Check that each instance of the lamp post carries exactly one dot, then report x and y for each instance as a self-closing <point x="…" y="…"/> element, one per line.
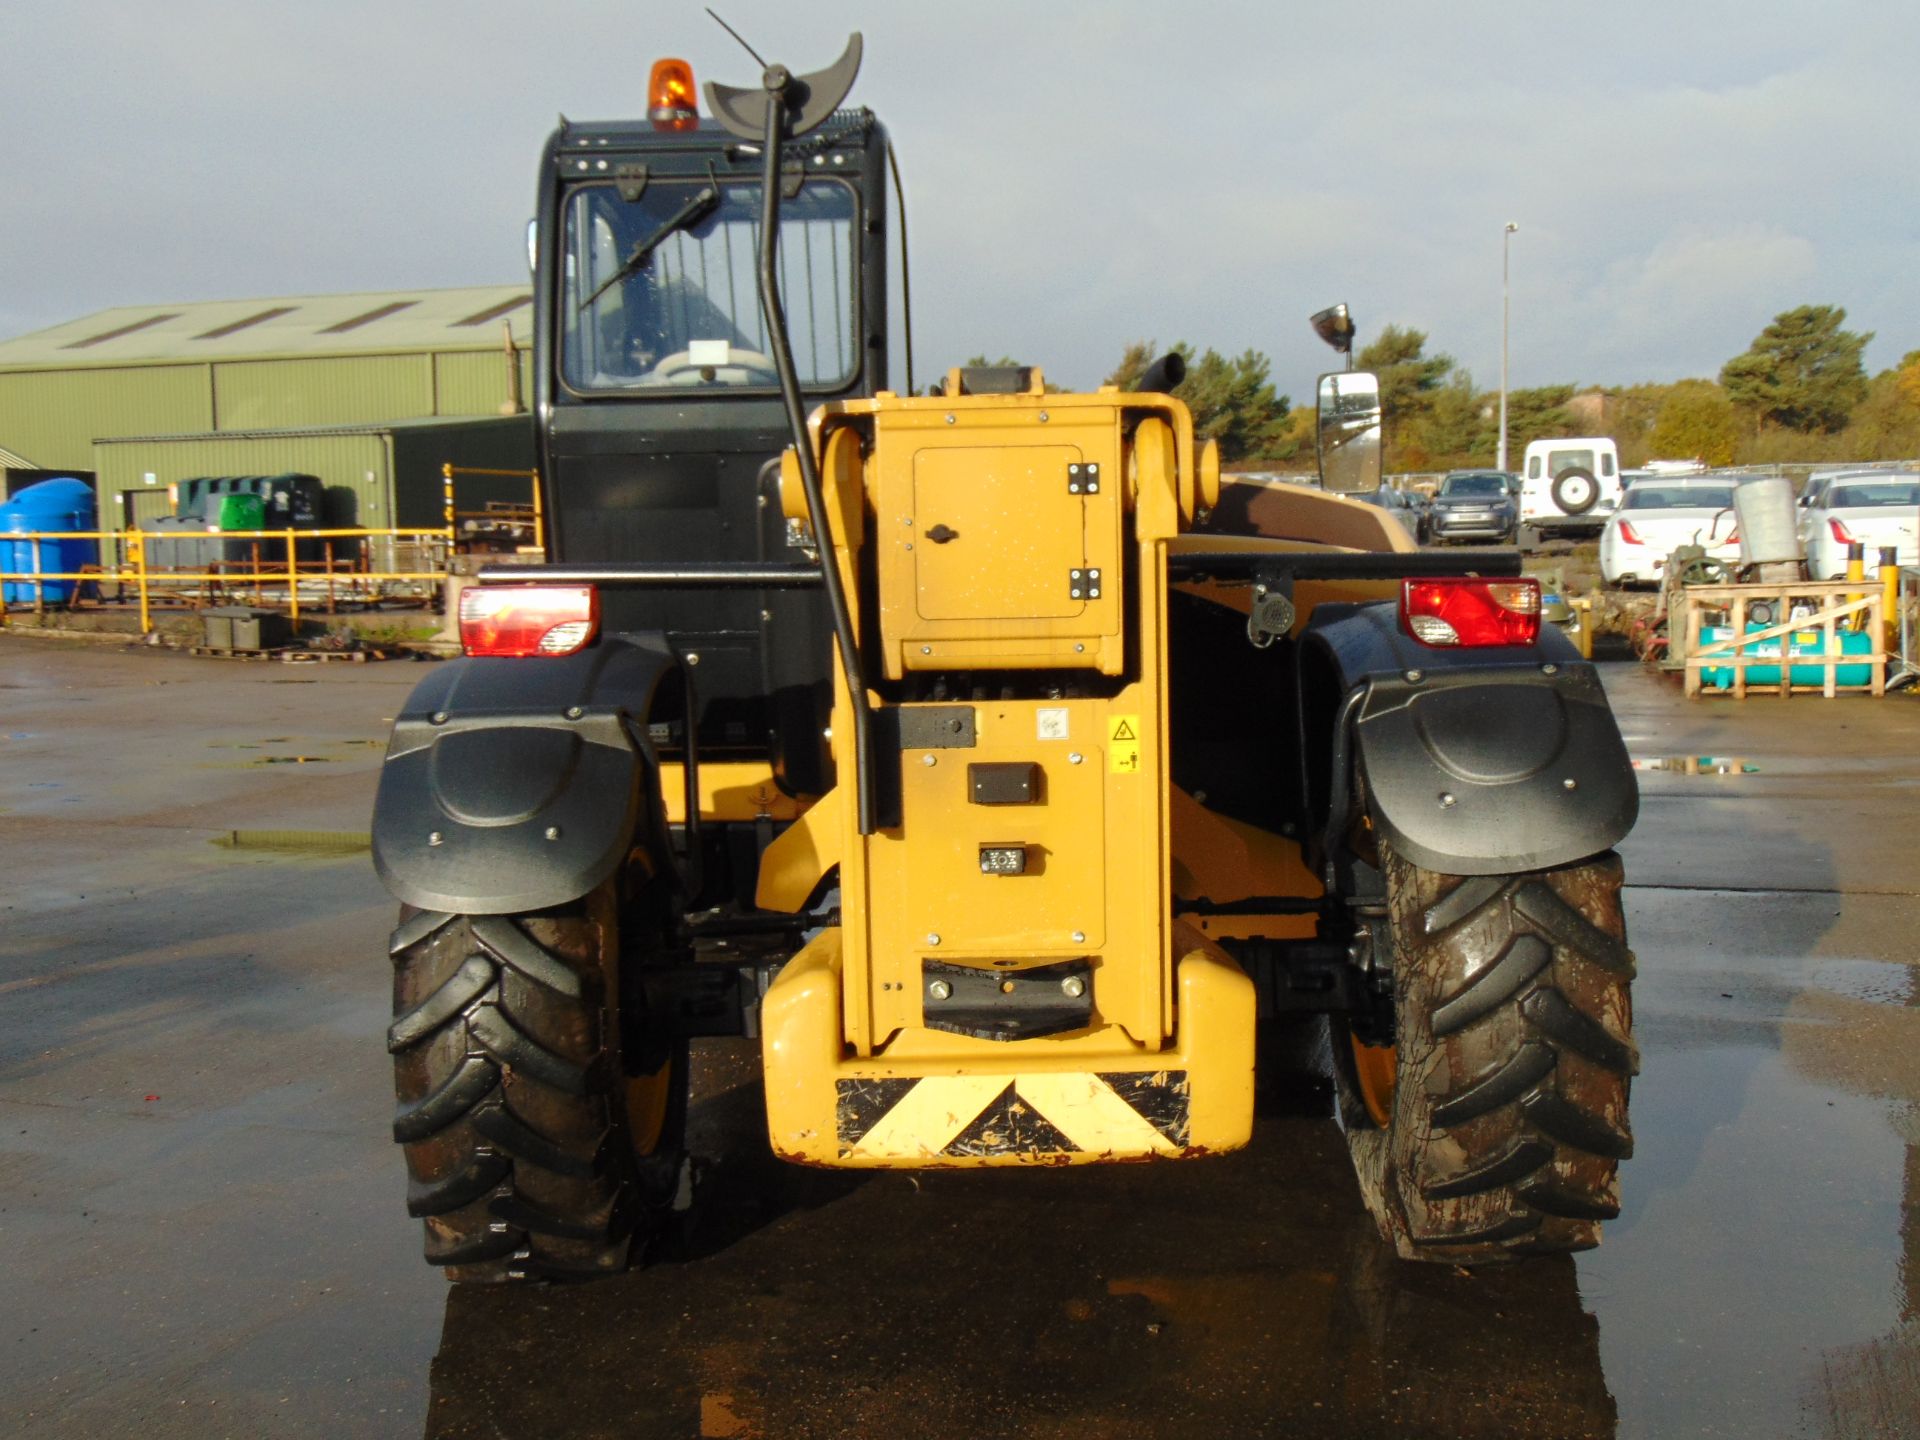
<point x="1506" y="310"/>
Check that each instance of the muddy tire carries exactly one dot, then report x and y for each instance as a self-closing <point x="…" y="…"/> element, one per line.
<point x="1502" y="1119"/>
<point x="538" y="1145"/>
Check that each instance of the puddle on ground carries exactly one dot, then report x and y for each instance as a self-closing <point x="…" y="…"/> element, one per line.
<point x="261" y="760"/>
<point x="295" y="842"/>
<point x="1879" y="982"/>
<point x="1696" y="764"/>
<point x="289" y="740"/>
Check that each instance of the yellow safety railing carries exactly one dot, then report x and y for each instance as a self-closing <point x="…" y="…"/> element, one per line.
<point x="134" y="567"/>
<point x="449" y="472"/>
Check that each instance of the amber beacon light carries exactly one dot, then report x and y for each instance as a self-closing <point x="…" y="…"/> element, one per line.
<point x="670" y="96"/>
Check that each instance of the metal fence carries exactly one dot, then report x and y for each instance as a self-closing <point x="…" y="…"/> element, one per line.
<point x="354" y="567"/>
<point x="1905" y="625"/>
<point x="315" y="569"/>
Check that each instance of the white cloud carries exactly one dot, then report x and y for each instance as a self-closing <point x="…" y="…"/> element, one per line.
<point x="1079" y="176"/>
<point x="1691" y="301"/>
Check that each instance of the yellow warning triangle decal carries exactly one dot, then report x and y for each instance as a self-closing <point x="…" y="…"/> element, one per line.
<point x="1124" y="731"/>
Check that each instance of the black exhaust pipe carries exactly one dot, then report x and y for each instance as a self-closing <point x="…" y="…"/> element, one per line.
<point x="1165" y="373"/>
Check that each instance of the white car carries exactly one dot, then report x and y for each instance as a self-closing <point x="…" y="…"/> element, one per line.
<point x="1880" y="510"/>
<point x="1815" y="492"/>
<point x="1656" y="516"/>
<point x="1570" y="486"/>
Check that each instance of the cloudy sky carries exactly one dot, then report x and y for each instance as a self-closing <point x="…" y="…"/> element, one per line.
<point x="1078" y="175"/>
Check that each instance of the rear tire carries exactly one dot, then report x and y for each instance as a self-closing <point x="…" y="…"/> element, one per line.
<point x="1575" y="491"/>
<point x="533" y="1149"/>
<point x="1506" y="1102"/>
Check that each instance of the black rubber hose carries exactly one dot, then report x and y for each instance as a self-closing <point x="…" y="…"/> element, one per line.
<point x="809" y="472"/>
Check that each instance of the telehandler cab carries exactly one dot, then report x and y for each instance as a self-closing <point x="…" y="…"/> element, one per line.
<point x="985" y="753"/>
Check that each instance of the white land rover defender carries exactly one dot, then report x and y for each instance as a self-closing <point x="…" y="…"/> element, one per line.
<point x="1569" y="487"/>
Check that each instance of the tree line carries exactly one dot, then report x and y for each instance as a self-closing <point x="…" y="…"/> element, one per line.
<point x="1800" y="392"/>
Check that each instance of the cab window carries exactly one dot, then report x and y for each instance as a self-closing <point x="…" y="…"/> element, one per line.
<point x="688" y="316"/>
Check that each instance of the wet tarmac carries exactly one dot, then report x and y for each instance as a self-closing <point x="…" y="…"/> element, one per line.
<point x="200" y="1212"/>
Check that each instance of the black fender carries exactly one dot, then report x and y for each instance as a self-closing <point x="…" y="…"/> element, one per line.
<point x="515" y="784"/>
<point x="1480" y="761"/>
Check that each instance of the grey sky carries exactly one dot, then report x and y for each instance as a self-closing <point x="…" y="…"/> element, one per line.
<point x="1077" y="175"/>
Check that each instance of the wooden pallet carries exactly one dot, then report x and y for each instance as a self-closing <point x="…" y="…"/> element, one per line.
<point x="1835" y="602"/>
<point x="314" y="657"/>
<point x="291" y="655"/>
<point x="208" y="652"/>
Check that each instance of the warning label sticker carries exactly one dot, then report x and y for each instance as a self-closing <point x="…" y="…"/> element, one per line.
<point x="1051" y="723"/>
<point x="1123" y="744"/>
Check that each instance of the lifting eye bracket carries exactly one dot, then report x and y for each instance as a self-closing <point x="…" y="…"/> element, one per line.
<point x="630" y="181"/>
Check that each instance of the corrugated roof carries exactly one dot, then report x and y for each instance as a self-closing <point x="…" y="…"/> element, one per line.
<point x="307" y="432"/>
<point x="468" y="318"/>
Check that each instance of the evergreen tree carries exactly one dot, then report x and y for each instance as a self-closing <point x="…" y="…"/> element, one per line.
<point x="1537" y="414"/>
<point x="1408" y="379"/>
<point x="1802" y="372"/>
<point x="1232" y="399"/>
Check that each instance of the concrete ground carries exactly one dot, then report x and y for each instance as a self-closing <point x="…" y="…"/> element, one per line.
<point x="201" y="1212"/>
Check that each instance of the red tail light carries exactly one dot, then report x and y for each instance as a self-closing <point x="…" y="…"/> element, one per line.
<point x="528" y="619"/>
<point x="670" y="103"/>
<point x="1468" y="611"/>
<point x="1627" y="534"/>
<point x="1840" y="531"/>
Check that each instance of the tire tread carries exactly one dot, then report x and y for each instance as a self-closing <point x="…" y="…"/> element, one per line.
<point x="1513" y="1027"/>
<point x="490" y="1008"/>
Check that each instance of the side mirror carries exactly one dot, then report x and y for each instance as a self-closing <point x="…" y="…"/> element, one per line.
<point x="1347" y="435"/>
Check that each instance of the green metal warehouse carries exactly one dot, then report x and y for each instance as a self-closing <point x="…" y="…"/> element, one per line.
<point x="369" y="392"/>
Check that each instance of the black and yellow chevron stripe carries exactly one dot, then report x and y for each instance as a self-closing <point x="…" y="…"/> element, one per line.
<point x="977" y="1117"/>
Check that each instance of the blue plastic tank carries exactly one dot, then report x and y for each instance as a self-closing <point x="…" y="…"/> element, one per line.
<point x="7" y="547"/>
<point x="58" y="505"/>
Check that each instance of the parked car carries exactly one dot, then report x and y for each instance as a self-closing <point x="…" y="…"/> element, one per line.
<point x="1814" y="494"/>
<point x="1657" y="516"/>
<point x="1571" y="485"/>
<point x="1406" y="506"/>
<point x="1474" y="505"/>
<point x="1879" y="509"/>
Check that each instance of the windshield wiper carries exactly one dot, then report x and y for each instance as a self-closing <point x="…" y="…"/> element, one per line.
<point x="695" y="209"/>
